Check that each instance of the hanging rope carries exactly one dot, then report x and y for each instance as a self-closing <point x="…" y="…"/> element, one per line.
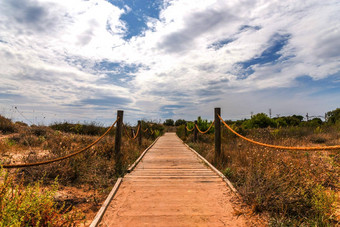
<point x="127" y="134"/>
<point x="276" y="146"/>
<point x="61" y="158"/>
<point x="189" y="130"/>
<point x="205" y="130"/>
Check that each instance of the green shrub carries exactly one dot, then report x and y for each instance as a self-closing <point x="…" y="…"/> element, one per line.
<point x="259" y="120"/>
<point x="333" y="116"/>
<point x="180" y="122"/>
<point x="180" y="131"/>
<point x="30" y="205"/>
<point x="169" y="122"/>
<point x="203" y="125"/>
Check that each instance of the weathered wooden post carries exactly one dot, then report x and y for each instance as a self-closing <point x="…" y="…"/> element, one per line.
<point x="195" y="132"/>
<point x="140" y="133"/>
<point x="118" y="142"/>
<point x="217" y="134"/>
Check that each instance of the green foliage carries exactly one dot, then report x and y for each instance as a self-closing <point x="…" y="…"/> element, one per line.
<point x="180" y="131"/>
<point x="180" y="122"/>
<point x="203" y="125"/>
<point x="169" y="122"/>
<point x="321" y="202"/>
<point x="154" y="129"/>
<point x="333" y="116"/>
<point x="259" y="120"/>
<point x="227" y="172"/>
<point x="287" y="121"/>
<point x="6" y="125"/>
<point x="10" y="142"/>
<point x="30" y="205"/>
<point x="157" y="133"/>
<point x="315" y="122"/>
<point x="190" y="125"/>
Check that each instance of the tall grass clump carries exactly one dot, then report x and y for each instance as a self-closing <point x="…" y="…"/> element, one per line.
<point x="31" y="205"/>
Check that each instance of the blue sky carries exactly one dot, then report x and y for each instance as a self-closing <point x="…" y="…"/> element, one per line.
<point x="83" y="60"/>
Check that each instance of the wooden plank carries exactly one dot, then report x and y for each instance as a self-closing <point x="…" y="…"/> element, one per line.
<point x="103" y="208"/>
<point x="230" y="185"/>
<point x="172" y="186"/>
<point x="141" y="156"/>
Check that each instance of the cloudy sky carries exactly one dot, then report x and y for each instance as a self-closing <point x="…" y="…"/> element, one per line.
<point x="83" y="60"/>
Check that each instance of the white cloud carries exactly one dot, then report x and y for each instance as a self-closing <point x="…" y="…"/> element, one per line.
<point x="51" y="50"/>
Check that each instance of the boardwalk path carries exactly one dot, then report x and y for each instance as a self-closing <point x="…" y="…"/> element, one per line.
<point x="171" y="186"/>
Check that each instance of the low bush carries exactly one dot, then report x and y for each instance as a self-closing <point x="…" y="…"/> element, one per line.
<point x="6" y="125"/>
<point x="31" y="205"/>
<point x="92" y="128"/>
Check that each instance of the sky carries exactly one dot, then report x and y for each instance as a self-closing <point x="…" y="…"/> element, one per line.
<point x="82" y="61"/>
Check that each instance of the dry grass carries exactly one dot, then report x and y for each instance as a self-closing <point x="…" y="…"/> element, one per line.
<point x="92" y="172"/>
<point x="297" y="188"/>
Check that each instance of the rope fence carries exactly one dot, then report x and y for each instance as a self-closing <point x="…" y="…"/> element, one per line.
<point x="216" y="122"/>
<point x="335" y="147"/>
<point x="189" y="130"/>
<point x="218" y="146"/>
<point x="60" y="158"/>
<point x="127" y="134"/>
<point x="203" y="132"/>
<point x="120" y="125"/>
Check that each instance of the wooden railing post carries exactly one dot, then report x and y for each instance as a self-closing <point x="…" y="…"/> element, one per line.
<point x="140" y="133"/>
<point x="195" y="132"/>
<point x="217" y="134"/>
<point x="118" y="142"/>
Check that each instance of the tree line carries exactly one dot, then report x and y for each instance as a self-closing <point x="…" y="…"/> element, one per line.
<point x="261" y="120"/>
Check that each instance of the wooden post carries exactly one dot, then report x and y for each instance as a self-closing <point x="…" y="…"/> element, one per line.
<point x="195" y="132"/>
<point x="217" y="134"/>
<point x="118" y="142"/>
<point x="140" y="133"/>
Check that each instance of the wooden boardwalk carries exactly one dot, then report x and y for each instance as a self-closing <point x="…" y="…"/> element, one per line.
<point x="172" y="186"/>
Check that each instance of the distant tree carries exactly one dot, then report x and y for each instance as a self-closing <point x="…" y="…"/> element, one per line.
<point x="169" y="122"/>
<point x="260" y="120"/>
<point x="333" y="116"/>
<point x="180" y="122"/>
<point x="281" y="122"/>
<point x="315" y="122"/>
<point x="294" y="120"/>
